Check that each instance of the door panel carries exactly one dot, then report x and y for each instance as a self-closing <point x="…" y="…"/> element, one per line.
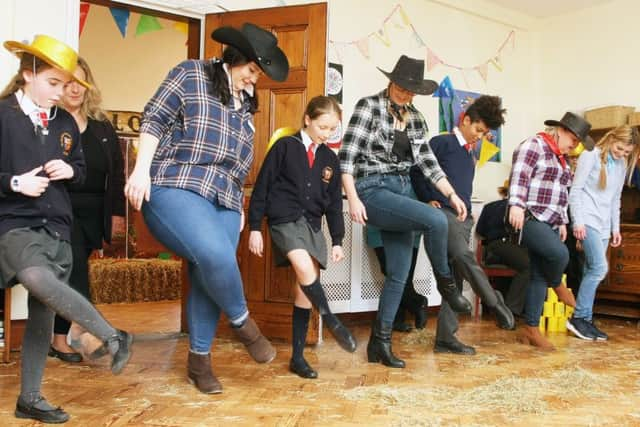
<point x="302" y="33"/>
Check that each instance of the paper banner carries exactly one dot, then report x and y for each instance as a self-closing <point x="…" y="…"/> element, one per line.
<point x="465" y="77"/>
<point x="84" y="11"/>
<point x="432" y="60"/>
<point x="405" y="18"/>
<point x="121" y="16"/>
<point x="382" y="35"/>
<point x="483" y="70"/>
<point x="496" y="63"/>
<point x="363" y="46"/>
<point x="147" y="24"/>
<point x="183" y="27"/>
<point x="487" y="151"/>
<point x="418" y="40"/>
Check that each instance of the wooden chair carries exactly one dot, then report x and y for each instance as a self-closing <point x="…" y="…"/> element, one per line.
<point x="491" y="270"/>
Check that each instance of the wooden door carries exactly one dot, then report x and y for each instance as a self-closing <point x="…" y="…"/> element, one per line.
<point x="302" y="34"/>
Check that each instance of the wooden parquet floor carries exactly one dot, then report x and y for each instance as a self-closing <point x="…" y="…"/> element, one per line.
<point x="506" y="383"/>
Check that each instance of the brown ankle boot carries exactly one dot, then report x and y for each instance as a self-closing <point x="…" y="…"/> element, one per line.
<point x="257" y="345"/>
<point x="531" y="335"/>
<point x="200" y="374"/>
<point x="565" y="295"/>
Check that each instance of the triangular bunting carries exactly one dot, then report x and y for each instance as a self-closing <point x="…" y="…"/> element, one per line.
<point x="84" y="11"/>
<point x="432" y="60"/>
<point x="496" y="62"/>
<point x="147" y="24"/>
<point x="382" y="35"/>
<point x="405" y="18"/>
<point x="483" y="70"/>
<point x="487" y="151"/>
<point x="183" y="27"/>
<point x="363" y="46"/>
<point x="121" y="16"/>
<point x="418" y="40"/>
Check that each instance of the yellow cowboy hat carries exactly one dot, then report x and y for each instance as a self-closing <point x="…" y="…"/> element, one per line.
<point x="280" y="133"/>
<point x="50" y="50"/>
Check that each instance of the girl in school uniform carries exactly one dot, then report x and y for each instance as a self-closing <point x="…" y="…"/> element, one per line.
<point x="40" y="154"/>
<point x="298" y="184"/>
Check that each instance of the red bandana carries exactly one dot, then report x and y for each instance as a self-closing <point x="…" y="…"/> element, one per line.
<point x="554" y="147"/>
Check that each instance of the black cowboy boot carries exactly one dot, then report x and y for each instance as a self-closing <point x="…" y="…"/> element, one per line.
<point x="379" y="347"/>
<point x="343" y="336"/>
<point x="451" y="294"/>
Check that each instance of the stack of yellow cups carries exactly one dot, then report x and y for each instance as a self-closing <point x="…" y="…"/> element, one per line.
<point x="555" y="313"/>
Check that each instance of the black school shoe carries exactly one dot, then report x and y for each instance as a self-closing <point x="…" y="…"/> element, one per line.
<point x="455" y="347"/>
<point x="65" y="357"/>
<point x="301" y="368"/>
<point x="51" y="416"/>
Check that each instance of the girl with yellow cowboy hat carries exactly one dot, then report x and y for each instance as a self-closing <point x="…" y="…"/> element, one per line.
<point x="39" y="155"/>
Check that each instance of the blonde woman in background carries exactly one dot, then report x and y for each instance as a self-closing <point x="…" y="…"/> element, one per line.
<point x="595" y="212"/>
<point x="98" y="203"/>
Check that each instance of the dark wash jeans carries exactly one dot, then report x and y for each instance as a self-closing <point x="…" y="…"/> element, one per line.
<point x="392" y="207"/>
<point x="548" y="258"/>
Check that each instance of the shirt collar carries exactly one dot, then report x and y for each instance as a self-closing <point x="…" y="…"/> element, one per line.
<point x="459" y="137"/>
<point x="307" y="141"/>
<point x="248" y="88"/>
<point x="29" y="108"/>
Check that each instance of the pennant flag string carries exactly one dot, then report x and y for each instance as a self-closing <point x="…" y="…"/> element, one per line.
<point x="433" y="60"/>
<point x="121" y="17"/>
<point x="84" y="11"/>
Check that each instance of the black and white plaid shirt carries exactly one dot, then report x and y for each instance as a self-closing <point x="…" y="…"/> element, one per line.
<point x="205" y="146"/>
<point x="367" y="144"/>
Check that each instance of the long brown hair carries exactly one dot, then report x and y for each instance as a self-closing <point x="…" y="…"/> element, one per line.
<point x="28" y="62"/>
<point x="622" y="134"/>
<point x="92" y="104"/>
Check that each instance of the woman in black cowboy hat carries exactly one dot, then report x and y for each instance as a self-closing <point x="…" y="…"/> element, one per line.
<point x="385" y="137"/>
<point x="196" y="148"/>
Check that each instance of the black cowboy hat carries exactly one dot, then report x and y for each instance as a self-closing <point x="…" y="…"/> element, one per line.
<point x="409" y="75"/>
<point x="576" y="125"/>
<point x="259" y="46"/>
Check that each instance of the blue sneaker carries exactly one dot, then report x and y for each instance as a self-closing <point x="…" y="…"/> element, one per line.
<point x="600" y="336"/>
<point x="581" y="328"/>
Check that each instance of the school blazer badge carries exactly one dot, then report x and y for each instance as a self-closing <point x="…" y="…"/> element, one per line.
<point x="327" y="174"/>
<point x="66" y="143"/>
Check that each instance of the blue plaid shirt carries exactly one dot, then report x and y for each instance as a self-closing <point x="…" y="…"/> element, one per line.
<point x="205" y="146"/>
<point x="368" y="142"/>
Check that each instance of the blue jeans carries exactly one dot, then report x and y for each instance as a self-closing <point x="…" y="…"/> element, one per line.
<point x="206" y="235"/>
<point x="548" y="257"/>
<point x="392" y="207"/>
<point x="594" y="271"/>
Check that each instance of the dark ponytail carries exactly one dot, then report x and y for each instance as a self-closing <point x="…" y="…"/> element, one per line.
<point x="219" y="87"/>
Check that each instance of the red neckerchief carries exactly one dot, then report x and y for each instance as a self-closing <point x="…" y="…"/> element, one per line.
<point x="554" y="147"/>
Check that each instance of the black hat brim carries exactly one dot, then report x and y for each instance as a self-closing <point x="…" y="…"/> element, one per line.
<point x="277" y="67"/>
<point x="588" y="142"/>
<point x="423" y="87"/>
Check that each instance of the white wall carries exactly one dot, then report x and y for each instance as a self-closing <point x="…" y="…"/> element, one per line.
<point x="22" y="19"/>
<point x="591" y="59"/>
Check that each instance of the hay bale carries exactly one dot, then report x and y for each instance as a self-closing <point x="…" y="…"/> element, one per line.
<point x="134" y="280"/>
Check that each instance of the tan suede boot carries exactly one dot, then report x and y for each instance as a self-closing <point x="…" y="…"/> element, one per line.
<point x="257" y="345"/>
<point x="201" y="375"/>
<point x="531" y="335"/>
<point x="565" y="295"/>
